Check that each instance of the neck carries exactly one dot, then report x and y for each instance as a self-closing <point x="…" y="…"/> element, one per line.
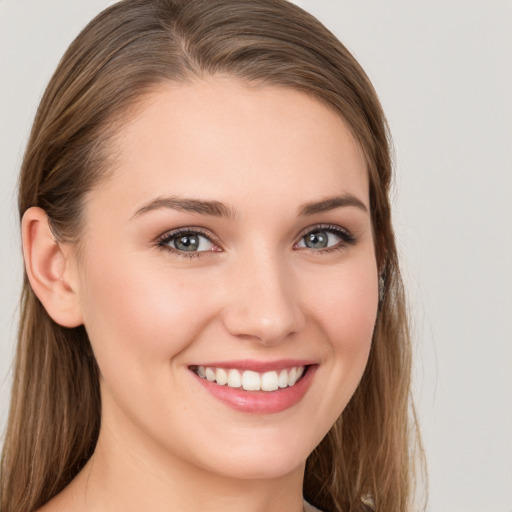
<point x="128" y="474"/>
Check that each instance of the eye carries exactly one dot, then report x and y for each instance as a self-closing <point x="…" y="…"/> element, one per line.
<point x="187" y="241"/>
<point x="321" y="238"/>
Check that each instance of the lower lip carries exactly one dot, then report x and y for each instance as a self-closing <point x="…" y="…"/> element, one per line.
<point x="261" y="402"/>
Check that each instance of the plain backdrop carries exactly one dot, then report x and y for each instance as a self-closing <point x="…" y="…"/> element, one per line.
<point x="443" y="71"/>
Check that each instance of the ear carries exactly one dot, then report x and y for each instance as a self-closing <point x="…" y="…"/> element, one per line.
<point x="50" y="269"/>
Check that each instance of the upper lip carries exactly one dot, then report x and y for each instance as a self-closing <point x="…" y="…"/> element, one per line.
<point x="257" y="366"/>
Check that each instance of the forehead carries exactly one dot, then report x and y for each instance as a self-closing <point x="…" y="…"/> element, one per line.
<point x="227" y="139"/>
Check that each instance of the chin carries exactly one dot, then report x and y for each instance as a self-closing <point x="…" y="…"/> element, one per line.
<point x="261" y="458"/>
<point x="261" y="468"/>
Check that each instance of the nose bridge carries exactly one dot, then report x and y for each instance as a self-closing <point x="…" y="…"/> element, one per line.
<point x="263" y="303"/>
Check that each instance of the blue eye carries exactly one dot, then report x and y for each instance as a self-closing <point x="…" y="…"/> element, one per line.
<point x="187" y="241"/>
<point x="325" y="238"/>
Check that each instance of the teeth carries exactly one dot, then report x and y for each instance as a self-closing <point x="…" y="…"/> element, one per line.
<point x="249" y="380"/>
<point x="283" y="379"/>
<point x="221" y="376"/>
<point x="292" y="377"/>
<point x="269" y="381"/>
<point x="234" y="379"/>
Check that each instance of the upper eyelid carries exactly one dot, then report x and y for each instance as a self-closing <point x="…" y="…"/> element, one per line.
<point x="326" y="227"/>
<point x="188" y="229"/>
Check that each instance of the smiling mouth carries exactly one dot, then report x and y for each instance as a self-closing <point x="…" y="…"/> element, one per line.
<point x="250" y="380"/>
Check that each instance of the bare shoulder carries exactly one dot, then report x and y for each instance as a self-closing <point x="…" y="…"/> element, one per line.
<point x="310" y="508"/>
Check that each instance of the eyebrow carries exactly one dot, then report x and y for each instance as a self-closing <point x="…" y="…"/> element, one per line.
<point x="218" y="209"/>
<point x="331" y="203"/>
<point x="204" y="207"/>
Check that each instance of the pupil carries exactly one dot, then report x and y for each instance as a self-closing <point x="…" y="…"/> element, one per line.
<point x="316" y="240"/>
<point x="187" y="243"/>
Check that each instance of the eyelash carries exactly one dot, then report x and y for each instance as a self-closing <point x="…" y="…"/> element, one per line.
<point x="346" y="237"/>
<point x="163" y="241"/>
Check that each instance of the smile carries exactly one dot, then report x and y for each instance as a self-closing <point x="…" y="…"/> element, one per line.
<point x="250" y="380"/>
<point x="256" y="387"/>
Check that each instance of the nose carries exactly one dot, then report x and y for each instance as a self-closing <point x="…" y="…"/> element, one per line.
<point x="262" y="301"/>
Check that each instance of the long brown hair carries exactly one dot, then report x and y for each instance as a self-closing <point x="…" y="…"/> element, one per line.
<point x="121" y="55"/>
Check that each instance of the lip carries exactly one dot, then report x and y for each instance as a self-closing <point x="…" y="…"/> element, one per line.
<point x="258" y="366"/>
<point x="260" y="402"/>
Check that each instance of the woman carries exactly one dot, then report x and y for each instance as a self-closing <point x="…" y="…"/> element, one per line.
<point x="212" y="316"/>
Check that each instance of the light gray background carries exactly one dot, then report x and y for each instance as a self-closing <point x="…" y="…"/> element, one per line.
<point x="443" y="70"/>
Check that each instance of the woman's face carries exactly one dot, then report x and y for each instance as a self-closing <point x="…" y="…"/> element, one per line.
<point x="232" y="242"/>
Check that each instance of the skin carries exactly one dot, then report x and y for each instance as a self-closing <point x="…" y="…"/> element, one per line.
<point x="256" y="293"/>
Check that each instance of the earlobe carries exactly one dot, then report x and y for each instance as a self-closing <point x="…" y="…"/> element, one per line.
<point x="47" y="265"/>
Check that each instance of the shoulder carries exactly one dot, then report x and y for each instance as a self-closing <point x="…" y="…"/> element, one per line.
<point x="310" y="508"/>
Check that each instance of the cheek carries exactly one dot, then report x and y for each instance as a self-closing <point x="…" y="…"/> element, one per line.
<point x="135" y="314"/>
<point x="346" y="302"/>
<point x="347" y="311"/>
